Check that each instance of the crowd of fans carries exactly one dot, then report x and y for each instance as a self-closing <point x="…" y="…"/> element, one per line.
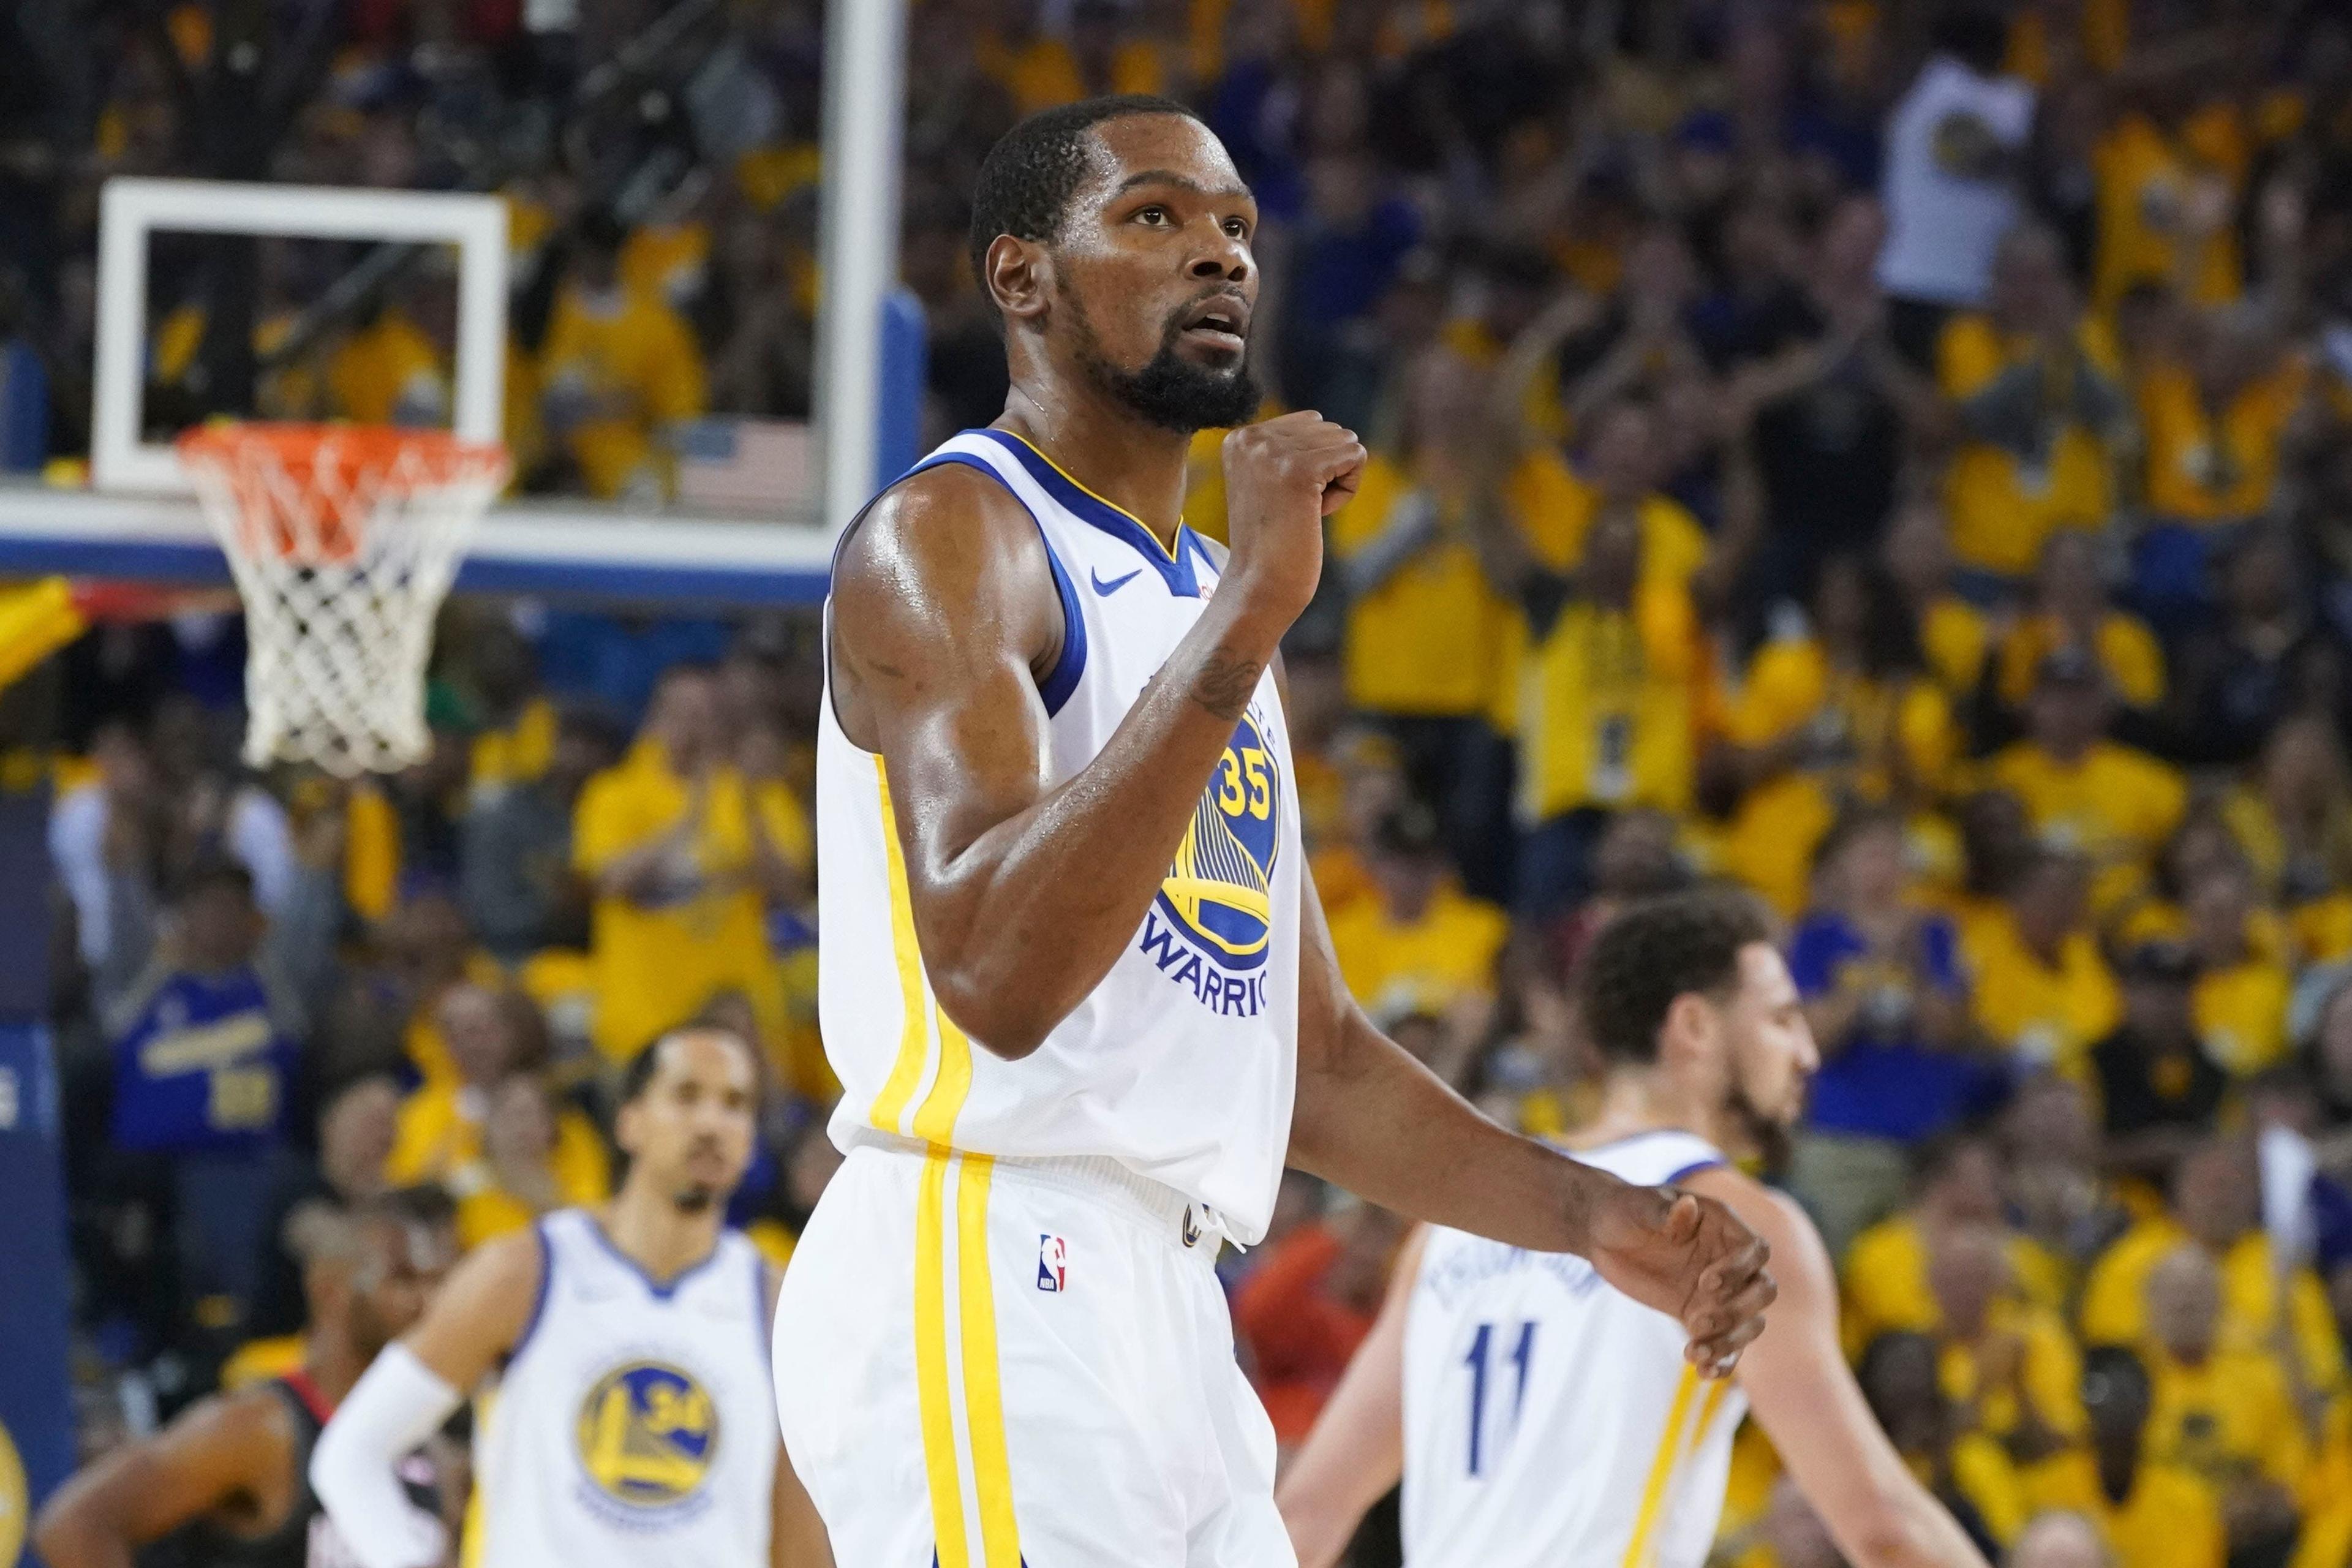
<point x="1894" y="458"/>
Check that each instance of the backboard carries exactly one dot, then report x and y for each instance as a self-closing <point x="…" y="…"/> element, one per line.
<point x="131" y="210"/>
<point x="137" y="519"/>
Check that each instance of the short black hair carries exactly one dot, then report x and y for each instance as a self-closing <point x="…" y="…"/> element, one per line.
<point x="427" y="1203"/>
<point x="211" y="873"/>
<point x="1658" y="950"/>
<point x="1974" y="32"/>
<point x="1936" y="1154"/>
<point x="642" y="1066"/>
<point x="1408" y="831"/>
<point x="1856" y="819"/>
<point x="2109" y="1367"/>
<point x="1025" y="182"/>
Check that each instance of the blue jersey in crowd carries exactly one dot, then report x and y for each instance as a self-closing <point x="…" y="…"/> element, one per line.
<point x="1883" y="1082"/>
<point x="201" y="1065"/>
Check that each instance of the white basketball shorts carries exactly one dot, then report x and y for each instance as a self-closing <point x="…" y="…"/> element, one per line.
<point x="1019" y="1361"/>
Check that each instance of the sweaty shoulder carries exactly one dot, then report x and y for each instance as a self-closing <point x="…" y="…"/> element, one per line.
<point x="945" y="571"/>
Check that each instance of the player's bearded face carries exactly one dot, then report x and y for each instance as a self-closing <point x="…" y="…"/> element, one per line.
<point x="1767" y="1134"/>
<point x="696" y="1189"/>
<point x="1167" y="390"/>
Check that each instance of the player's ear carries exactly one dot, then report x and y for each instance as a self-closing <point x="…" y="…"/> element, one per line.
<point x="1689" y="1034"/>
<point x="1019" y="275"/>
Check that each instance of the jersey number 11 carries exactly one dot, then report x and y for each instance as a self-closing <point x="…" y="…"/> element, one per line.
<point x="1482" y="1345"/>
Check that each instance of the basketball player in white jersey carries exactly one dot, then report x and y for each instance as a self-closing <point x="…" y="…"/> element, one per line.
<point x="1538" y="1419"/>
<point x="631" y="1423"/>
<point x="1075" y="980"/>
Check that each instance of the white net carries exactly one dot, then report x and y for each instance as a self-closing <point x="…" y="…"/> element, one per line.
<point x="343" y="541"/>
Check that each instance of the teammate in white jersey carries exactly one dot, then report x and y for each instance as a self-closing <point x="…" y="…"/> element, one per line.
<point x="1538" y="1419"/>
<point x="631" y="1423"/>
<point x="1075" y="979"/>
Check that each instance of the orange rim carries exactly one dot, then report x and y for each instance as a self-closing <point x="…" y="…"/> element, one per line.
<point x="434" y="456"/>
<point x="304" y="492"/>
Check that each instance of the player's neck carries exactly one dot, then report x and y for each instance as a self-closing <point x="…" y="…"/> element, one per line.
<point x="1128" y="461"/>
<point x="654" y="1233"/>
<point x="331" y="1363"/>
<point x="1640" y="1099"/>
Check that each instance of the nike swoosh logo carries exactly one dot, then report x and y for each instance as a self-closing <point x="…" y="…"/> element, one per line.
<point x="1115" y="584"/>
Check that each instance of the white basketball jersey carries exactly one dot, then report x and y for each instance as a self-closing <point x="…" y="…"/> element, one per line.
<point x="634" y="1425"/>
<point x="1550" y="1420"/>
<point x="1181" y="1064"/>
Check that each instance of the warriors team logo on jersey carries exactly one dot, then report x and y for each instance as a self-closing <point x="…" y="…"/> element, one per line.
<point x="648" y="1434"/>
<point x="1052" y="1264"/>
<point x="1212" y="921"/>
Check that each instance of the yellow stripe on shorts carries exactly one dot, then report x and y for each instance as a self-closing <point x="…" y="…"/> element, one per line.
<point x="983" y="1384"/>
<point x="1662" y="1469"/>
<point x="932" y="1363"/>
<point x="983" y="1388"/>
<point x="914" y="1041"/>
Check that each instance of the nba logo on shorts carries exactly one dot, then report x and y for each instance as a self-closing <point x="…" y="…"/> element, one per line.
<point x="1052" y="1264"/>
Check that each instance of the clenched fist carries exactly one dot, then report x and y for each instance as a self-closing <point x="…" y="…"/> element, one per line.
<point x="1282" y="478"/>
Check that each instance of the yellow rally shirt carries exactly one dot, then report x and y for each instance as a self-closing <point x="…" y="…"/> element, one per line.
<point x="656" y="964"/>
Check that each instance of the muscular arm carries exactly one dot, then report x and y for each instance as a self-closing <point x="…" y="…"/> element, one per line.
<point x="480" y="1312"/>
<point x="409" y="1392"/>
<point x="219" y="1452"/>
<point x="1802" y="1391"/>
<point x="943" y="612"/>
<point x="1372" y="1118"/>
<point x="1356" y="1452"/>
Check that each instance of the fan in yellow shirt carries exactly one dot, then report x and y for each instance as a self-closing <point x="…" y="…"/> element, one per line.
<point x="2229" y="1415"/>
<point x="2326" y="1539"/>
<point x="618" y="370"/>
<point x="1843" y="712"/>
<point x="1424" y="628"/>
<point x="1555" y="504"/>
<point x="2154" y="1514"/>
<point x="2037" y="38"/>
<point x="2216" y="1204"/>
<point x="668" y="261"/>
<point x="1953" y="635"/>
<point x="534" y="1158"/>
<point x="683" y="850"/>
<point x="2043" y="991"/>
<point x="1968" y="1472"/>
<point x="389" y="373"/>
<point x="2011" y="1368"/>
<point x="515" y="724"/>
<point x="1884" y="1279"/>
<point x="2116" y="806"/>
<point x="2034" y="387"/>
<point x="439" y="1135"/>
<point x="2243" y="991"/>
<point x="2165" y="190"/>
<point x="2073" y="611"/>
<point x="2214" y="428"/>
<point x="2294" y="820"/>
<point x="1041" y="70"/>
<point x="1419" y="946"/>
<point x="1605" y="717"/>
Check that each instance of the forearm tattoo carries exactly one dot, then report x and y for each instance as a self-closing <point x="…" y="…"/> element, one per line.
<point x="1225" y="684"/>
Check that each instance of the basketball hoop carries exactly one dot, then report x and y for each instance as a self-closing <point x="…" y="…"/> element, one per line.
<point x="343" y="540"/>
